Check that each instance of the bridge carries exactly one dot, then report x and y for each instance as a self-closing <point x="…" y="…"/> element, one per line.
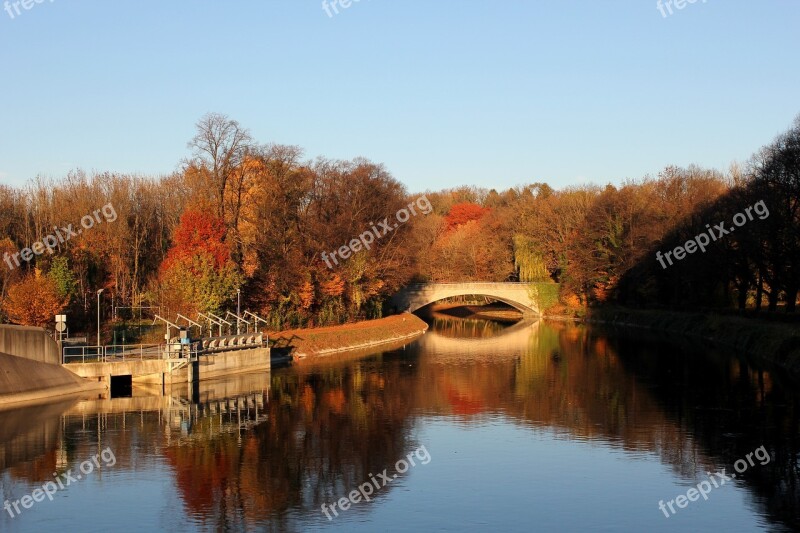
<point x="522" y="296"/>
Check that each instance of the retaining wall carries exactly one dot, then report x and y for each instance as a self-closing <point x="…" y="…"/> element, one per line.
<point x="29" y="343"/>
<point x="26" y="381"/>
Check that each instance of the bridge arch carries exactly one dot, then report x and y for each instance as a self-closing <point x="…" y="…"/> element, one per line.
<point x="517" y="295"/>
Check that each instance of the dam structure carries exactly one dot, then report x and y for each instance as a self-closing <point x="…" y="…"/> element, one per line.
<point x="36" y="368"/>
<point x="174" y="362"/>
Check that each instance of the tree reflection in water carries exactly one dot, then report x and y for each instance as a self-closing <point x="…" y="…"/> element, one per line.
<point x="268" y="450"/>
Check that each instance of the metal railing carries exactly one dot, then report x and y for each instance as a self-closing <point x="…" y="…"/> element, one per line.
<point x="121" y="353"/>
<point x="116" y="353"/>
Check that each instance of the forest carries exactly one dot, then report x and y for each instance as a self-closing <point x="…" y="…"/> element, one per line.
<point x="243" y="216"/>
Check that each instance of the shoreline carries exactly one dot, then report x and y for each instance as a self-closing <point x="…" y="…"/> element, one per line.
<point x="314" y="343"/>
<point x="773" y="342"/>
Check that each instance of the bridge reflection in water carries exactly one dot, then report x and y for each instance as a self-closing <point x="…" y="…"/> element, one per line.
<point x="476" y="338"/>
<point x="320" y="430"/>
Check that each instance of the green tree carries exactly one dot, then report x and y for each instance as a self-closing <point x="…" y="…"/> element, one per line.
<point x="64" y="278"/>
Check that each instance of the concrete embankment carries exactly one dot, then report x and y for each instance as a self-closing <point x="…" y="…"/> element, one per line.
<point x="318" y="342"/>
<point x="777" y="343"/>
<point x="29" y="342"/>
<point x="23" y="381"/>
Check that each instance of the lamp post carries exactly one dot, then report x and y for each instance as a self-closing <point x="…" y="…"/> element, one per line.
<point x="238" y="310"/>
<point x="99" y="292"/>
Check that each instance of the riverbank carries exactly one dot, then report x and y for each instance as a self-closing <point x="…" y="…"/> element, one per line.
<point x="319" y="342"/>
<point x="774" y="342"/>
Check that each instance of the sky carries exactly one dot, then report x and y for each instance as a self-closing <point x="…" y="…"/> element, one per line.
<point x="443" y="92"/>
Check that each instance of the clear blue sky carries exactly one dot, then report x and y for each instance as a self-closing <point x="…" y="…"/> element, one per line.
<point x="444" y="92"/>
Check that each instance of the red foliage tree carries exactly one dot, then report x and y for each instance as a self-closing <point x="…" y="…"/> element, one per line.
<point x="465" y="212"/>
<point x="199" y="233"/>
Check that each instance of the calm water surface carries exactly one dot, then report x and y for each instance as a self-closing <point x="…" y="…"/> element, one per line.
<point x="532" y="427"/>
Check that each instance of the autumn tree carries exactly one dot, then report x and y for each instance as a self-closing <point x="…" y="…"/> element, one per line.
<point x="34" y="301"/>
<point x="462" y="213"/>
<point x="198" y="274"/>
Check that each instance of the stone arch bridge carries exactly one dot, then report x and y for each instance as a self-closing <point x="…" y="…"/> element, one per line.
<point x="521" y="296"/>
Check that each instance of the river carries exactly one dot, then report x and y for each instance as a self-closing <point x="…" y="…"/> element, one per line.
<point x="476" y="426"/>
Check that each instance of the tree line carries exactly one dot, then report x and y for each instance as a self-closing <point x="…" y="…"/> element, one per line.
<point x="243" y="216"/>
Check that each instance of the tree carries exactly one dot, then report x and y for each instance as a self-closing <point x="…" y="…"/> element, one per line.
<point x="63" y="278"/>
<point x="220" y="147"/>
<point x="198" y="274"/>
<point x="462" y="213"/>
<point x="7" y="275"/>
<point x="34" y="301"/>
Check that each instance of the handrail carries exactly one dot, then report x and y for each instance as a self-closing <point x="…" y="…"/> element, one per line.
<point x="255" y="317"/>
<point x="121" y="353"/>
<point x="237" y="317"/>
<point x="220" y="319"/>
<point x="210" y="321"/>
<point x="189" y="320"/>
<point x="141" y="352"/>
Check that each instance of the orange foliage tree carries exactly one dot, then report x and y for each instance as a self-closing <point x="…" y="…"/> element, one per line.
<point x="198" y="234"/>
<point x="34" y="301"/>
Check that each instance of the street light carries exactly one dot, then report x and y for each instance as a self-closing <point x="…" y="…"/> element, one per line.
<point x="238" y="310"/>
<point x="98" y="315"/>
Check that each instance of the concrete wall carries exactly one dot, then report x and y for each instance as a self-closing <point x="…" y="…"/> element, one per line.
<point x="23" y="380"/>
<point x="29" y="343"/>
<point x="225" y="363"/>
<point x="150" y="370"/>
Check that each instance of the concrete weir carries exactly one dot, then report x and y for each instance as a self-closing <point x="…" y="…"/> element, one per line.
<point x="202" y="366"/>
<point x="31" y="368"/>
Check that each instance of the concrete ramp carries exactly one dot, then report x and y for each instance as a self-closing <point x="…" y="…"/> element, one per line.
<point x="26" y="381"/>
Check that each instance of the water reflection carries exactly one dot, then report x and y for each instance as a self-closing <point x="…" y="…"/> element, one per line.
<point x="466" y="328"/>
<point x="266" y="451"/>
